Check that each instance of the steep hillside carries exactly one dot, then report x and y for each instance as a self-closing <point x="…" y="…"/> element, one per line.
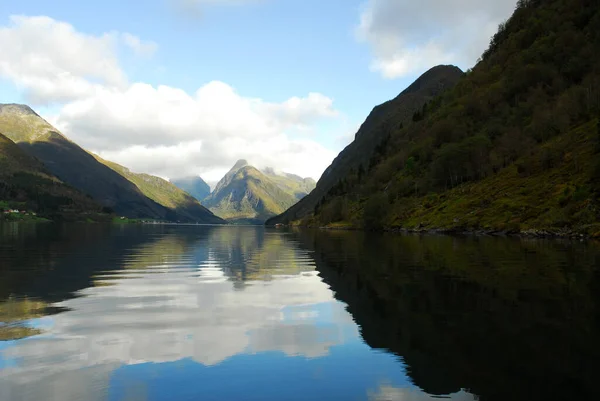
<point x="381" y="122"/>
<point x="514" y="146"/>
<point x="194" y="186"/>
<point x="246" y="195"/>
<point x="26" y="184"/>
<point x="291" y="183"/>
<point x="74" y="165"/>
<point x="166" y="194"/>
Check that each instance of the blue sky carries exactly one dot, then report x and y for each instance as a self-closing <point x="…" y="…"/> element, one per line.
<point x="354" y="54"/>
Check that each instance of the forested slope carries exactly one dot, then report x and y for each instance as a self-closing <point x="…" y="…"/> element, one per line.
<point x="380" y="123"/>
<point x="514" y="146"/>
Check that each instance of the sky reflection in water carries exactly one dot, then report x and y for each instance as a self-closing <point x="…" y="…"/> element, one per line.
<point x="197" y="313"/>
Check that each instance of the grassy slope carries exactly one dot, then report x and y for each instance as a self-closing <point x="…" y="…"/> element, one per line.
<point x="514" y="146"/>
<point x="552" y="199"/>
<point x="21" y="123"/>
<point x="248" y="196"/>
<point x="294" y="185"/>
<point x="73" y="165"/>
<point x="166" y="194"/>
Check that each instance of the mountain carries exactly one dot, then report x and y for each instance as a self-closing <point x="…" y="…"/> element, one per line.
<point x="165" y="193"/>
<point x="382" y="120"/>
<point x="291" y="183"/>
<point x="514" y="146"/>
<point x="194" y="186"/>
<point x="81" y="170"/>
<point x="26" y="184"/>
<point x="248" y="195"/>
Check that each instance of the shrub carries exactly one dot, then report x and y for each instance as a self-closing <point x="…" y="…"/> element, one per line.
<point x="375" y="212"/>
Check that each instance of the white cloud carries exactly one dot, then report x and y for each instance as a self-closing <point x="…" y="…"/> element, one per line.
<point x="51" y="61"/>
<point x="407" y="36"/>
<point x="139" y="47"/>
<point x="159" y="130"/>
<point x="167" y="132"/>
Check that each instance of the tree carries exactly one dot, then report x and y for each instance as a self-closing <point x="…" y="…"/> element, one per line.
<point x="598" y="133"/>
<point x="375" y="212"/>
<point x="409" y="166"/>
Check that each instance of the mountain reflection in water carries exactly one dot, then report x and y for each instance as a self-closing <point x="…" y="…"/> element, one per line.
<point x="227" y="313"/>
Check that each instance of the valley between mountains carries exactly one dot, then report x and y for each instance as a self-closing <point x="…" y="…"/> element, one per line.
<point x="45" y="173"/>
<point x="511" y="145"/>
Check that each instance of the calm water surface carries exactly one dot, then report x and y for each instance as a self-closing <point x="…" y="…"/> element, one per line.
<point x="92" y="312"/>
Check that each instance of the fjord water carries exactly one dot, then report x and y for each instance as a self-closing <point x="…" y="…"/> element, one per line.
<point x="94" y="312"/>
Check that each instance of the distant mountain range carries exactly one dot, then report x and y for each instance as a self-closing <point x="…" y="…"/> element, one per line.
<point x="247" y="195"/>
<point x="165" y="193"/>
<point x="194" y="186"/>
<point x="111" y="186"/>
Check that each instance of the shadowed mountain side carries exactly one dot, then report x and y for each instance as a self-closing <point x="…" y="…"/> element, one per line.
<point x="382" y="120"/>
<point x="80" y="169"/>
<point x="502" y="332"/>
<point x="13" y="159"/>
<point x="514" y="146"/>
<point x="74" y="165"/>
<point x="111" y="185"/>
<point x="26" y="181"/>
<point x="164" y="193"/>
<point x="194" y="186"/>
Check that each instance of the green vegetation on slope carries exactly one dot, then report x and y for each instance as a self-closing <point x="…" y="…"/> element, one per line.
<point x="26" y="185"/>
<point x="112" y="186"/>
<point x="73" y="165"/>
<point x="246" y="195"/>
<point x="166" y="194"/>
<point x="513" y="146"/>
<point x="381" y="122"/>
<point x="293" y="184"/>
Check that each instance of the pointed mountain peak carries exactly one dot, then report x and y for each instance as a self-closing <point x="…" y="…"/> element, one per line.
<point x="239" y="164"/>
<point x="17" y="108"/>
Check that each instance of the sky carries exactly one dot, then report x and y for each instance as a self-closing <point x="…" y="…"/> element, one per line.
<point x="181" y="88"/>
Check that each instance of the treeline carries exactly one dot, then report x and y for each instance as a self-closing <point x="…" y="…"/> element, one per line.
<point x="538" y="80"/>
<point x="46" y="197"/>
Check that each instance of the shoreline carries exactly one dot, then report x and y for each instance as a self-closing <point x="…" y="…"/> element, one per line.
<point x="530" y="233"/>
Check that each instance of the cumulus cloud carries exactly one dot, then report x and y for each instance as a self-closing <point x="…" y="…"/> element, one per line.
<point x="157" y="129"/>
<point x="407" y="36"/>
<point x="167" y="132"/>
<point x="51" y="61"/>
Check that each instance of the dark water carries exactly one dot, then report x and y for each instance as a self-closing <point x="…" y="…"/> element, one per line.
<point x="91" y="312"/>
